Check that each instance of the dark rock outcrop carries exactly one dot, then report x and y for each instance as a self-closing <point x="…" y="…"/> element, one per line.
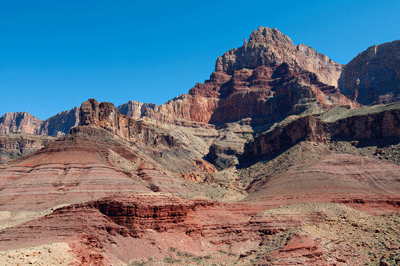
<point x="309" y="128"/>
<point x="61" y="123"/>
<point x="373" y="76"/>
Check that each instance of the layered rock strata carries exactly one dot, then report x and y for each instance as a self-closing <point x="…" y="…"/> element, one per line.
<point x="15" y="145"/>
<point x="106" y="116"/>
<point x="374" y="124"/>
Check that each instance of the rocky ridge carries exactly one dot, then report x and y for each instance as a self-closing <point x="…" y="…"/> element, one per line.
<point x="20" y="122"/>
<point x="23" y="122"/>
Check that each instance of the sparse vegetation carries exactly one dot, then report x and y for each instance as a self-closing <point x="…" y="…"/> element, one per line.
<point x="172" y="260"/>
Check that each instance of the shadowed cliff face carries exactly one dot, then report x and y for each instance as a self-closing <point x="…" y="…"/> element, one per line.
<point x="373" y="76"/>
<point x="61" y="123"/>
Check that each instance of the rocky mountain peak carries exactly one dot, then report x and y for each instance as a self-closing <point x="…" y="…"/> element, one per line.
<point x="269" y="47"/>
<point x="269" y="36"/>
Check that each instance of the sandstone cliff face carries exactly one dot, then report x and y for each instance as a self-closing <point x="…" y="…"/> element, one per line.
<point x="373" y="76"/>
<point x="136" y="109"/>
<point x="188" y="107"/>
<point x="20" y="122"/>
<point x="106" y="116"/>
<point x="61" y="123"/>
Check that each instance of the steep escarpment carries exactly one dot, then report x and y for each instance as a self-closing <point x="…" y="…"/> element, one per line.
<point x="266" y="79"/>
<point x="374" y="124"/>
<point x="373" y="76"/>
<point x="269" y="77"/>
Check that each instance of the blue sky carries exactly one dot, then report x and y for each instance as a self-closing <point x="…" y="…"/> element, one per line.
<point x="56" y="54"/>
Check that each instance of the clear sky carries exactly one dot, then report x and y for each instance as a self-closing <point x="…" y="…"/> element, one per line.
<point x="56" y="54"/>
